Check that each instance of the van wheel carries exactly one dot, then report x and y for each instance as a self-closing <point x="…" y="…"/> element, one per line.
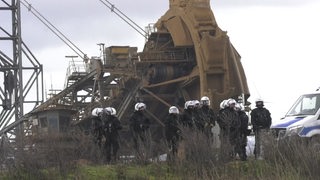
<point x="315" y="144"/>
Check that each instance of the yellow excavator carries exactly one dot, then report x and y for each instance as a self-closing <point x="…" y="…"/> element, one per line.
<point x="186" y="56"/>
<point x="190" y="54"/>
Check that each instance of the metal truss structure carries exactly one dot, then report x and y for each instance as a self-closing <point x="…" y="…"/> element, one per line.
<point x="22" y="79"/>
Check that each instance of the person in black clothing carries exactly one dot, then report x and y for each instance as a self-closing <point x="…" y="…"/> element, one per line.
<point x="208" y="116"/>
<point x="188" y="119"/>
<point x="223" y="136"/>
<point x="111" y="126"/>
<point x="229" y="123"/>
<point x="172" y="130"/>
<point x="244" y="131"/>
<point x="261" y="122"/>
<point x="198" y="116"/>
<point x="220" y="120"/>
<point x="139" y="126"/>
<point x="96" y="126"/>
<point x="234" y="136"/>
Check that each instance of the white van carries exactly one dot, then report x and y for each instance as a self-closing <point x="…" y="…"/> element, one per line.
<point x="303" y="119"/>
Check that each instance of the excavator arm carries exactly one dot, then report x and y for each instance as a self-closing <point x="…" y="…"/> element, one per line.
<point x="191" y="25"/>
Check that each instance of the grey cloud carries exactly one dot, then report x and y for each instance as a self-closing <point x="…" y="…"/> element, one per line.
<point x="90" y="20"/>
<point x="85" y="20"/>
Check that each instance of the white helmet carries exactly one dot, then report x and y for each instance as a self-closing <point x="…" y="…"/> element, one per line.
<point x="140" y="106"/>
<point x="186" y="104"/>
<point x="113" y="111"/>
<point x="196" y="103"/>
<point x="108" y="110"/>
<point x="223" y="104"/>
<point x="189" y="104"/>
<point x="259" y="102"/>
<point x="96" y="111"/>
<point x="205" y="101"/>
<point x="231" y="101"/>
<point x="173" y="110"/>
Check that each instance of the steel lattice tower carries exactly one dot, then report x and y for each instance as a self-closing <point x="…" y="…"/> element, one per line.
<point x="22" y="73"/>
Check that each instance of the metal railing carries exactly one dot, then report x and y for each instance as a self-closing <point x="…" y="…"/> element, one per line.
<point x="75" y="67"/>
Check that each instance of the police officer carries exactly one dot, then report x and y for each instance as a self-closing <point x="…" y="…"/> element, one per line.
<point x="244" y="131"/>
<point x="261" y="122"/>
<point x="96" y="125"/>
<point x="188" y="119"/>
<point x="224" y="130"/>
<point x="207" y="115"/>
<point x="223" y="106"/>
<point x="172" y="130"/>
<point x="229" y="123"/>
<point x="139" y="125"/>
<point x="111" y="126"/>
<point x="198" y="117"/>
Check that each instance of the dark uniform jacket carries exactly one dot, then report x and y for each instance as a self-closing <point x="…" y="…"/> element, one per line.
<point x="260" y="118"/>
<point x="139" y="122"/>
<point x="229" y="123"/>
<point x="171" y="126"/>
<point x="208" y="115"/>
<point x="244" y="119"/>
<point x="96" y="126"/>
<point x="188" y="118"/>
<point x="111" y="126"/>
<point x="228" y="119"/>
<point x="198" y="119"/>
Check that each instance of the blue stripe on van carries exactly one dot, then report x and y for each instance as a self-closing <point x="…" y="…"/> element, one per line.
<point x="286" y="124"/>
<point x="306" y="130"/>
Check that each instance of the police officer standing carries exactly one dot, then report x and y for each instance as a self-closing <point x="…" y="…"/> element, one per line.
<point x="188" y="118"/>
<point x="229" y="123"/>
<point x="96" y="126"/>
<point x="224" y="129"/>
<point x="198" y="118"/>
<point x="139" y="126"/>
<point x="207" y="115"/>
<point x="244" y="131"/>
<point x="111" y="126"/>
<point x="172" y="130"/>
<point x="261" y="122"/>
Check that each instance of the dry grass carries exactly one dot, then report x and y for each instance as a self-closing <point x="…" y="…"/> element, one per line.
<point x="63" y="157"/>
<point x="287" y="159"/>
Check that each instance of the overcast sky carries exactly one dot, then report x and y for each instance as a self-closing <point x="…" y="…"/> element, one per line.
<point x="277" y="39"/>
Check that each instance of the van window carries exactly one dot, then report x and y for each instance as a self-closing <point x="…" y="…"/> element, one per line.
<point x="305" y="105"/>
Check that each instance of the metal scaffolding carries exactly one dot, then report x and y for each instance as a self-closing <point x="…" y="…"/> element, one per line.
<point x="22" y="73"/>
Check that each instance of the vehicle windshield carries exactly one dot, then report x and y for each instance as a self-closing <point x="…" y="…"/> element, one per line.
<point x="306" y="105"/>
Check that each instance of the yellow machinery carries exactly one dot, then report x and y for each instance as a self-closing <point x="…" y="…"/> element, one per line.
<point x="190" y="53"/>
<point x="186" y="56"/>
